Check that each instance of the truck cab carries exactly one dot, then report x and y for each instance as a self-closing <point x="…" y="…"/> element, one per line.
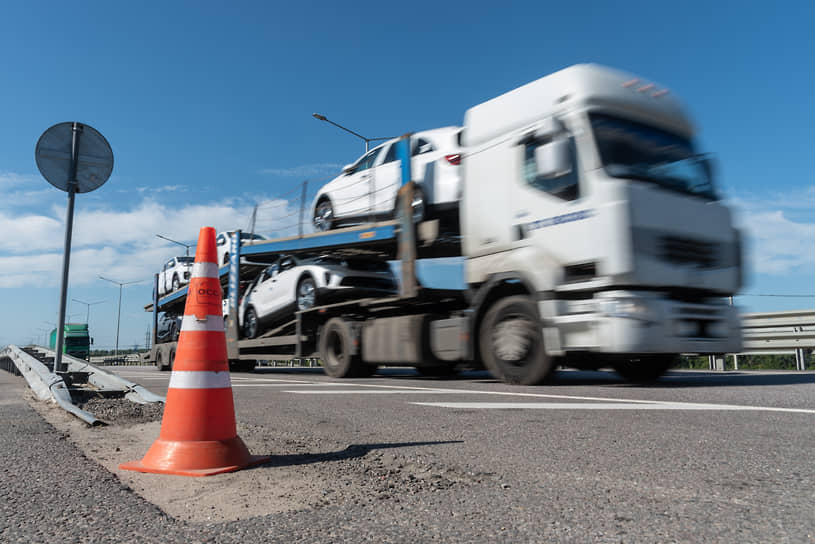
<point x="586" y="189"/>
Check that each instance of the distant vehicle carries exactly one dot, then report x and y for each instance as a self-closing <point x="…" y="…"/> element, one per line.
<point x="222" y="243"/>
<point x="169" y="327"/>
<point x="367" y="188"/>
<point x="76" y="343"/>
<point x="296" y="283"/>
<point x="175" y="273"/>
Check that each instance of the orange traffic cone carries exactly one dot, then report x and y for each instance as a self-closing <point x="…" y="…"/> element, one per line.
<point x="198" y="435"/>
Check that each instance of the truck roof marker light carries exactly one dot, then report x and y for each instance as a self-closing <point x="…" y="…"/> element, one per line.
<point x="645" y="88"/>
<point x="631" y="83"/>
<point x="661" y="92"/>
<point x="454" y="159"/>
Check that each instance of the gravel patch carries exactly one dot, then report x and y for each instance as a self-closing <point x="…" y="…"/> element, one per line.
<point x="122" y="411"/>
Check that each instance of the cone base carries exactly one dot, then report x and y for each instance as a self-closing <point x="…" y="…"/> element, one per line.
<point x="195" y="458"/>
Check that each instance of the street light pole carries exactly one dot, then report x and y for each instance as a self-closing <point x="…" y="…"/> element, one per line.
<point x="119" y="317"/>
<point x="88" y="304"/>
<point x="360" y="136"/>
<point x="186" y="246"/>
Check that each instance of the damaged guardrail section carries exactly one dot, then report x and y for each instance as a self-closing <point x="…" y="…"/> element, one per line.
<point x="50" y="386"/>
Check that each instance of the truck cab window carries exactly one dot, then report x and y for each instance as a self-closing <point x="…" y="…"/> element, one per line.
<point x="564" y="187"/>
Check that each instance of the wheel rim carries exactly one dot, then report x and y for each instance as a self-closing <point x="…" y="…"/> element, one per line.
<point x="513" y="339"/>
<point x="306" y="295"/>
<point x="175" y="284"/>
<point x="417" y="204"/>
<point x="251" y="324"/>
<point x="323" y="215"/>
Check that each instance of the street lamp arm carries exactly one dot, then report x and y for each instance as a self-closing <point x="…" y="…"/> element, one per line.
<point x="324" y="118"/>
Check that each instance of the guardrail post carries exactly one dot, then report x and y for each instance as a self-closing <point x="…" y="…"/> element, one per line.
<point x="716" y="361"/>
<point x="735" y="361"/>
<point x="800" y="359"/>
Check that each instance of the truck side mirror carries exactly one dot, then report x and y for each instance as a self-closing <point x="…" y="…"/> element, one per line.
<point x="348" y="169"/>
<point x="91" y="341"/>
<point x="552" y="159"/>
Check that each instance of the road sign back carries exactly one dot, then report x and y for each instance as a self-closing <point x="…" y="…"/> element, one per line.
<point x="94" y="161"/>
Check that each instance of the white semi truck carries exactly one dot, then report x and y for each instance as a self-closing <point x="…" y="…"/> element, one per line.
<point x="591" y="233"/>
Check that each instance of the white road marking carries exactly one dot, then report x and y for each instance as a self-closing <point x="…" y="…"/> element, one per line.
<point x="607" y="406"/>
<point x="370" y="392"/>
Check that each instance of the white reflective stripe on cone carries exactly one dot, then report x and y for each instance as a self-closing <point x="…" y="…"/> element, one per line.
<point x="213" y="323"/>
<point x="199" y="379"/>
<point x="205" y="270"/>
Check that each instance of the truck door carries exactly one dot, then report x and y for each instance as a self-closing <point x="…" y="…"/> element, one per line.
<point x="548" y="209"/>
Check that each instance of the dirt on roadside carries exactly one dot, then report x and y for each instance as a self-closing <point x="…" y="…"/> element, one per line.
<point x="302" y="474"/>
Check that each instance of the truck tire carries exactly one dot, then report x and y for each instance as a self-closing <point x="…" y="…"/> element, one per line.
<point x="511" y="342"/>
<point x="645" y="369"/>
<point x="171" y="359"/>
<point x="335" y="344"/>
<point x="159" y="361"/>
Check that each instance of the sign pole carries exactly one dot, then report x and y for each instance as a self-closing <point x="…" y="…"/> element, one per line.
<point x="76" y="130"/>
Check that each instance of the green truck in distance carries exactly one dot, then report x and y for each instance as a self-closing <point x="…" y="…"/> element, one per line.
<point x="77" y="342"/>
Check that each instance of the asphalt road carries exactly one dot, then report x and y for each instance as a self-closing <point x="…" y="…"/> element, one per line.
<point x="697" y="457"/>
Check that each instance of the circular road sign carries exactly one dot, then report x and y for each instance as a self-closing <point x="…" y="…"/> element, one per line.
<point x="94" y="159"/>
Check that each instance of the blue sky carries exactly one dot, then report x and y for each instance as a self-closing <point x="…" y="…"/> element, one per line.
<point x="207" y="107"/>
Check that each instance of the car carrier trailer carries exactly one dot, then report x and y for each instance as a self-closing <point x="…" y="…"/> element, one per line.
<point x="591" y="235"/>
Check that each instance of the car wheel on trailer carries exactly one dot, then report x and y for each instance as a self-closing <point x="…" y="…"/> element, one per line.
<point x="250" y="323"/>
<point x="173" y="333"/>
<point x="323" y="215"/>
<point x="335" y="344"/>
<point x="511" y="342"/>
<point x="645" y="369"/>
<point x="306" y="293"/>
<point x="418" y="205"/>
<point x="226" y="258"/>
<point x="176" y="283"/>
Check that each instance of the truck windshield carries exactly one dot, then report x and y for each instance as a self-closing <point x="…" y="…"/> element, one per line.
<point x="633" y="150"/>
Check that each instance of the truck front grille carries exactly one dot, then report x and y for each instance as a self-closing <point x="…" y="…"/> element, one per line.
<point x="688" y="251"/>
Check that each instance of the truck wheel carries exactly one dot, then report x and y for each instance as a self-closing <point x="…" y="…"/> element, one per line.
<point x="645" y="369"/>
<point x="250" y="323"/>
<point x="323" y="215"/>
<point x="511" y="342"/>
<point x="176" y="283"/>
<point x="159" y="361"/>
<point x="171" y="359"/>
<point x="335" y="351"/>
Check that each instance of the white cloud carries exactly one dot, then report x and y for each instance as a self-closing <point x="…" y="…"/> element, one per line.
<point x="162" y="189"/>
<point x="306" y="170"/>
<point x="116" y="243"/>
<point x="780" y="231"/>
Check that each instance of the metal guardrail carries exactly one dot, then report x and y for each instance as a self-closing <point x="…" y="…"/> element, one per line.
<point x="778" y="333"/>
